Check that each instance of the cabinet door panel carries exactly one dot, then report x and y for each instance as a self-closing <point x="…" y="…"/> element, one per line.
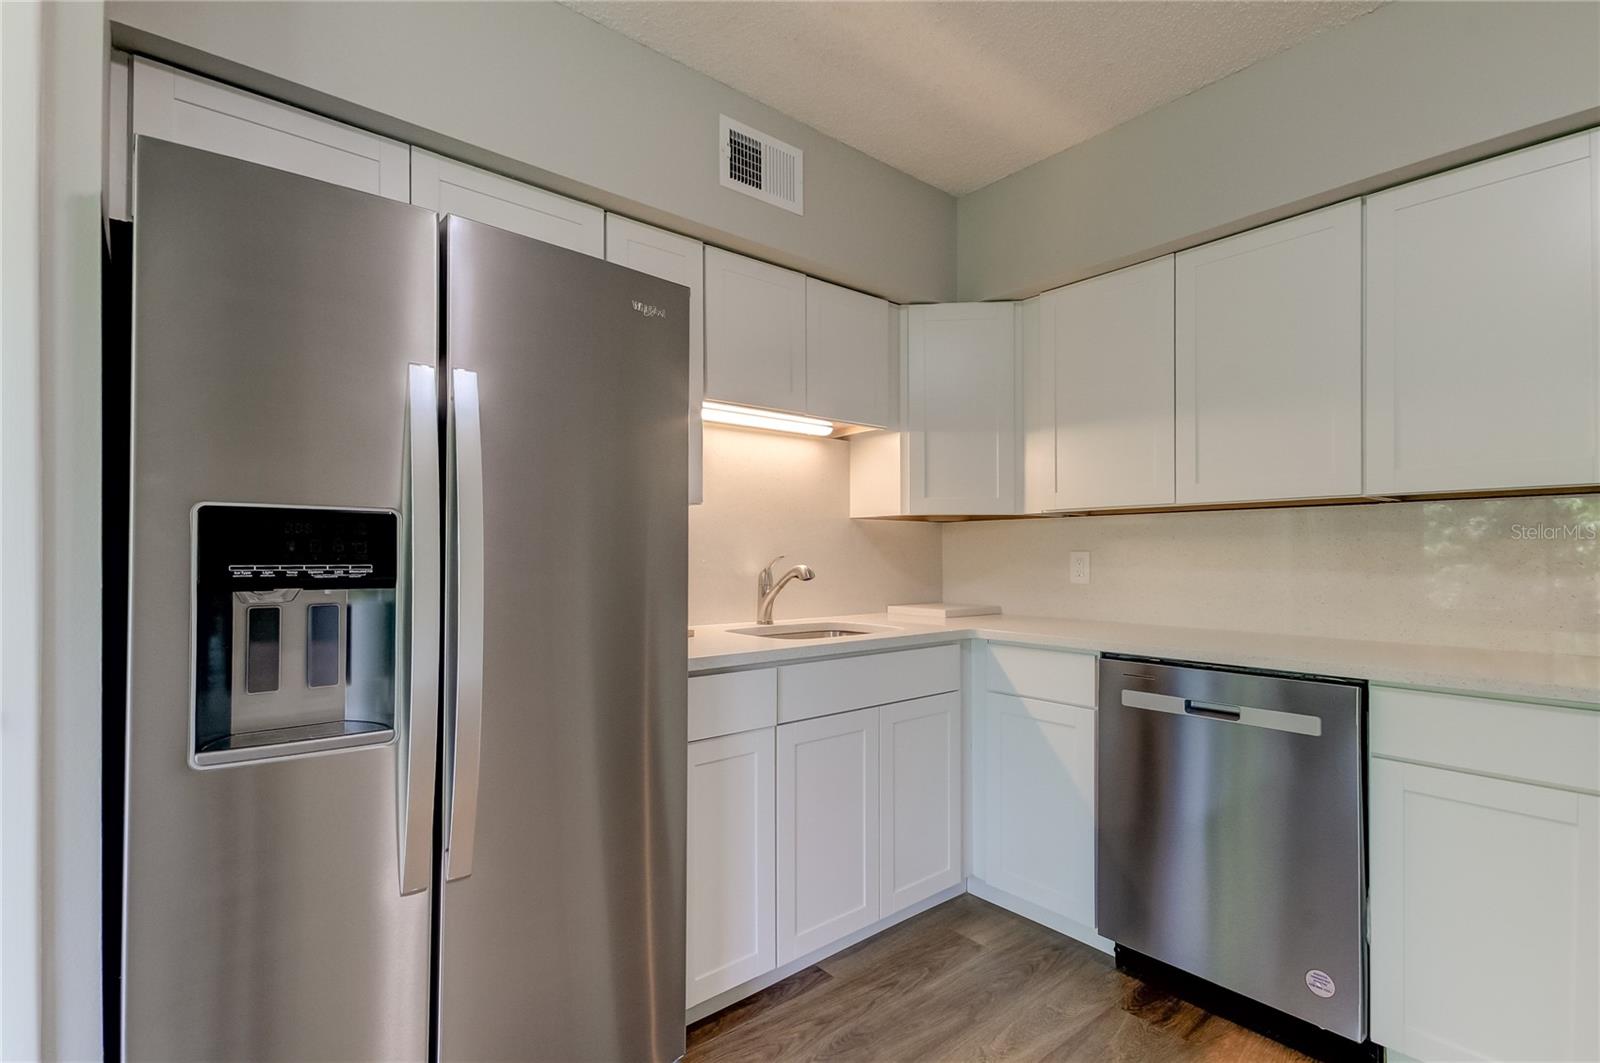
<point x="185" y="109"/>
<point x="1485" y="917"/>
<point x="755" y="332"/>
<point x="1039" y="805"/>
<point x="1269" y="362"/>
<point x="849" y="371"/>
<point x="827" y="830"/>
<point x="732" y="925"/>
<point x="1483" y="297"/>
<point x="961" y="405"/>
<point x="919" y="745"/>
<point x="1111" y="342"/>
<point x="682" y="261"/>
<point x="1036" y="377"/>
<point x="445" y="186"/>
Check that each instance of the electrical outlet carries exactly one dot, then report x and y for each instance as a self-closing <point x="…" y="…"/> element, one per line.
<point x="1080" y="566"/>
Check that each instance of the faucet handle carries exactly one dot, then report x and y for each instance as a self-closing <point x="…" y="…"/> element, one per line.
<point x="773" y="562"/>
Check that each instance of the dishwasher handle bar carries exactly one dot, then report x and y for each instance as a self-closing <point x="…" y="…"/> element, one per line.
<point x="1247" y="715"/>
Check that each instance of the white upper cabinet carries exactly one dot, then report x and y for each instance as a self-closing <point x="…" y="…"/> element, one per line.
<point x="682" y="261"/>
<point x="1269" y="362"/>
<point x="185" y="109"/>
<point x="1107" y="345"/>
<point x="961" y="409"/>
<point x="445" y="186"/>
<point x="755" y="332"/>
<point x="849" y="356"/>
<point x="1483" y="297"/>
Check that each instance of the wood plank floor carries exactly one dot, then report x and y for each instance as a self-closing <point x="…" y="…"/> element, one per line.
<point x="969" y="981"/>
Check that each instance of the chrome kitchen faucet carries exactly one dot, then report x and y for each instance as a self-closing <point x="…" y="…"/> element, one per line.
<point x="767" y="590"/>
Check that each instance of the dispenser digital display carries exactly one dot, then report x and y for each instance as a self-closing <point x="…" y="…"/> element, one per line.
<point x="295" y="630"/>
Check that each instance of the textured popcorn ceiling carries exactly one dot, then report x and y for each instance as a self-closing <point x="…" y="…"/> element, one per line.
<point x="960" y="94"/>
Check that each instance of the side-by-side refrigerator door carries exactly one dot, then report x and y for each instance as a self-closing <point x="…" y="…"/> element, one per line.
<point x="285" y="616"/>
<point x="561" y="932"/>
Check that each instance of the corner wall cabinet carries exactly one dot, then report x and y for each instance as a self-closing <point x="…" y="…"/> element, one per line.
<point x="172" y="105"/>
<point x="682" y="261"/>
<point x="959" y="450"/>
<point x="446" y="186"/>
<point x="1483" y="325"/>
<point x="1269" y="362"/>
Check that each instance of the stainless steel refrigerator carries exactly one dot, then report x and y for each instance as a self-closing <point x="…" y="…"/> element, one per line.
<point x="406" y="680"/>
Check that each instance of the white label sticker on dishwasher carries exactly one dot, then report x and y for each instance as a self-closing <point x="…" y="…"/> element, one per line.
<point x="1319" y="983"/>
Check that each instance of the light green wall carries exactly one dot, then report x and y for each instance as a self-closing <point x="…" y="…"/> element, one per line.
<point x="1411" y="88"/>
<point x="539" y="92"/>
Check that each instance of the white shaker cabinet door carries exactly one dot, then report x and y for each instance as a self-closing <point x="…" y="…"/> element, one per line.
<point x="732" y="927"/>
<point x="1269" y="362"/>
<point x="827" y="830"/>
<point x="919" y="803"/>
<point x="446" y="186"/>
<point x="1038" y="804"/>
<point x="682" y="261"/>
<point x="172" y="105"/>
<point x="849" y="357"/>
<point x="755" y="332"/>
<point x="1110" y="341"/>
<point x="1485" y="912"/>
<point x="1483" y="325"/>
<point x="961" y="408"/>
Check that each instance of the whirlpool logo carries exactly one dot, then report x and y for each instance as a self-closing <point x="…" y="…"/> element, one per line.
<point x="649" y="309"/>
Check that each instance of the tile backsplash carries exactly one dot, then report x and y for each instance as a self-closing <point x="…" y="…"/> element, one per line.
<point x="768" y="494"/>
<point x="1516" y="574"/>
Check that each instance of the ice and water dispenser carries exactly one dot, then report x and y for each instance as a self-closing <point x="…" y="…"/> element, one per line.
<point x="294" y="630"/>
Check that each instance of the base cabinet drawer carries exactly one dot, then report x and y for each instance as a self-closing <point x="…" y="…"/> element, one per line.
<point x="731" y="900"/>
<point x="1485" y="916"/>
<point x="827" y="830"/>
<point x="1038" y="818"/>
<point x="1048" y="675"/>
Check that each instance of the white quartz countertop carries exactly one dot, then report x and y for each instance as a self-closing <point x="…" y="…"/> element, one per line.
<point x="1557" y="677"/>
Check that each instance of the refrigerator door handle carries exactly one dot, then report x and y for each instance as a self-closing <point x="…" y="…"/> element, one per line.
<point x="420" y="620"/>
<point x="465" y="591"/>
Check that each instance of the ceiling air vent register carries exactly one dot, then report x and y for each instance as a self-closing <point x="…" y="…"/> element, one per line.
<point x="762" y="166"/>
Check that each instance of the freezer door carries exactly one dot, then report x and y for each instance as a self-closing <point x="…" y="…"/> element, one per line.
<point x="282" y="328"/>
<point x="562" y="912"/>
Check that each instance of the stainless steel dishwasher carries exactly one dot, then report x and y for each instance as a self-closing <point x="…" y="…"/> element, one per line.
<point x="1230" y="832"/>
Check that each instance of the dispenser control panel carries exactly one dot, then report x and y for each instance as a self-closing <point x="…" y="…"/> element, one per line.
<point x="295" y="630"/>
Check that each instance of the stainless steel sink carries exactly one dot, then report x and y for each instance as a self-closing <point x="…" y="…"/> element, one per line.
<point x="805" y="631"/>
<point x="813" y="633"/>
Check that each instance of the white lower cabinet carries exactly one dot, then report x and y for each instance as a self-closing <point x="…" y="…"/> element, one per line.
<point x="919" y="799"/>
<point x="1038" y="804"/>
<point x="1485" y="902"/>
<point x="732" y="925"/>
<point x="827" y="830"/>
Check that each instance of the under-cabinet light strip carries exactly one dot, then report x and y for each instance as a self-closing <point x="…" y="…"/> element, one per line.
<point x="771" y="420"/>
